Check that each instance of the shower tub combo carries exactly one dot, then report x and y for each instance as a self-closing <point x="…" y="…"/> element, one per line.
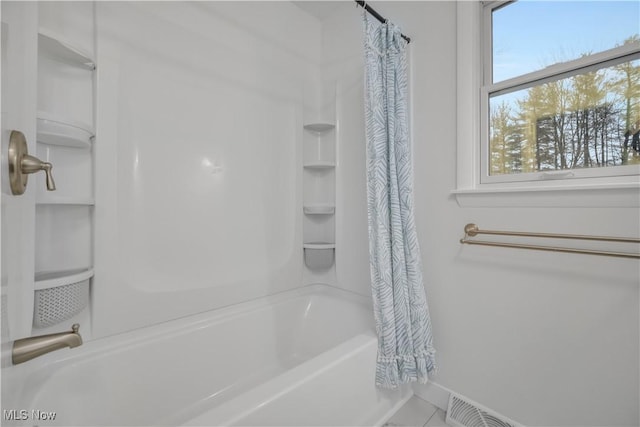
<point x="301" y="357"/>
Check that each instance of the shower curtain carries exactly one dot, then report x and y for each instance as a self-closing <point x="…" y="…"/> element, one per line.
<point x="405" y="343"/>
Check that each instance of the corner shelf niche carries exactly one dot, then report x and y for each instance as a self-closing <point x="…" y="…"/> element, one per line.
<point x="319" y="245"/>
<point x="67" y="145"/>
<point x="64" y="218"/>
<point x="56" y="200"/>
<point x="319" y="165"/>
<point x="60" y="296"/>
<point x="319" y="255"/>
<point x="319" y="201"/>
<point x="55" y="46"/>
<point x="319" y="209"/>
<point x="54" y="130"/>
<point x="54" y="279"/>
<point x="319" y="128"/>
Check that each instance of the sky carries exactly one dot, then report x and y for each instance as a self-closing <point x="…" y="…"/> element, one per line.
<point x="529" y="34"/>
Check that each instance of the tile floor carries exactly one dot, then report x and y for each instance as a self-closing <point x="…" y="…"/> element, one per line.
<point x="418" y="413"/>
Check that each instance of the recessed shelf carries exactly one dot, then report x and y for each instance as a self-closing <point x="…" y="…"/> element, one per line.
<point x="319" y="165"/>
<point x="53" y="279"/>
<point x="319" y="245"/>
<point x="51" y="199"/>
<point x="319" y="127"/>
<point x="319" y="255"/>
<point x="64" y="234"/>
<point x="58" y="48"/>
<point x="319" y="209"/>
<point x="54" y="130"/>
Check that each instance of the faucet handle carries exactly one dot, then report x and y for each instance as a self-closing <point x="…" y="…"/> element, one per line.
<point x="75" y="328"/>
<point x="30" y="164"/>
<point x="21" y="164"/>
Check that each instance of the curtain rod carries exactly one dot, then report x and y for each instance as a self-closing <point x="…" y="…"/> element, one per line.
<point x="376" y="15"/>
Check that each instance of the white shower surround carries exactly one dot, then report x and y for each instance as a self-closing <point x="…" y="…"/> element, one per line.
<point x="301" y="357"/>
<point x="198" y="156"/>
<point x="198" y="313"/>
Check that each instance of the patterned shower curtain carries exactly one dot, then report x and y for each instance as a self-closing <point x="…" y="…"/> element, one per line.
<point x="405" y="343"/>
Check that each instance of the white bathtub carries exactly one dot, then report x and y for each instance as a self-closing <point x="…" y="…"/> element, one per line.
<point x="303" y="357"/>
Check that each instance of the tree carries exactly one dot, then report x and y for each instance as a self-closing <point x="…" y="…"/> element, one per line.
<point x="586" y="120"/>
<point x="627" y="86"/>
<point x="499" y="140"/>
<point x="529" y="110"/>
<point x="587" y="96"/>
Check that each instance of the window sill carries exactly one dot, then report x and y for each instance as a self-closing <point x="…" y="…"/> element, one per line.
<point x="620" y="195"/>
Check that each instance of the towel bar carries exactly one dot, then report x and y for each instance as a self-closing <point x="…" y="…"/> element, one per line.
<point x="472" y="230"/>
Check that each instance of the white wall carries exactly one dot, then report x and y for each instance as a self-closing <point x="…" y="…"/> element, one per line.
<point x="543" y="338"/>
<point x="198" y="156"/>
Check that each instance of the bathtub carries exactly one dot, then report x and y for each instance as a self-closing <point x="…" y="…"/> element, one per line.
<point x="302" y="357"/>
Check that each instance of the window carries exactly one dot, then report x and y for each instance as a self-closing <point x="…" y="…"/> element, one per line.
<point x="560" y="90"/>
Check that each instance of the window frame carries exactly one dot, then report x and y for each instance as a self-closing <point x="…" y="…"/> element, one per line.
<point x="487" y="88"/>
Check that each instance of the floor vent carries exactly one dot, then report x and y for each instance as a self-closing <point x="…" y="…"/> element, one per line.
<point x="463" y="412"/>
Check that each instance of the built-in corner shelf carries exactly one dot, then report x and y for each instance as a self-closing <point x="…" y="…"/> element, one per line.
<point x="319" y="154"/>
<point x="56" y="47"/>
<point x="52" y="199"/>
<point x="319" y="209"/>
<point x="319" y="127"/>
<point x="54" y="279"/>
<point x="54" y="130"/>
<point x="319" y="255"/>
<point x="60" y="295"/>
<point x="319" y="245"/>
<point x="319" y="165"/>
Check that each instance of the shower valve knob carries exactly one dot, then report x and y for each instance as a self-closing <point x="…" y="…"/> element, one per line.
<point x="21" y="164"/>
<point x="32" y="164"/>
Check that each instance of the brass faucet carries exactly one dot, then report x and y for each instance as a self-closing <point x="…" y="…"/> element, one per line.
<point x="29" y="348"/>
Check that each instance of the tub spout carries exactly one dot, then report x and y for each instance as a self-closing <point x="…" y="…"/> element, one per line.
<point x="29" y="348"/>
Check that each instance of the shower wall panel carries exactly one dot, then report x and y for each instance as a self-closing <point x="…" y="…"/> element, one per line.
<point x="198" y="189"/>
<point x="344" y="64"/>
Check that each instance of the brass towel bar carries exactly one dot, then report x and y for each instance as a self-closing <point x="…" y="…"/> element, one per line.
<point x="471" y="230"/>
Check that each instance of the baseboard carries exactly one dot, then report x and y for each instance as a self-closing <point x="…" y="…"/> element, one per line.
<point x="433" y="393"/>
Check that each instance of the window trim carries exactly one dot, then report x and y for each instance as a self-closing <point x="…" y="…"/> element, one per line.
<point x="470" y="77"/>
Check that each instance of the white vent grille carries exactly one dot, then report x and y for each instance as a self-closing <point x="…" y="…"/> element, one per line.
<point x="54" y="305"/>
<point x="463" y="412"/>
